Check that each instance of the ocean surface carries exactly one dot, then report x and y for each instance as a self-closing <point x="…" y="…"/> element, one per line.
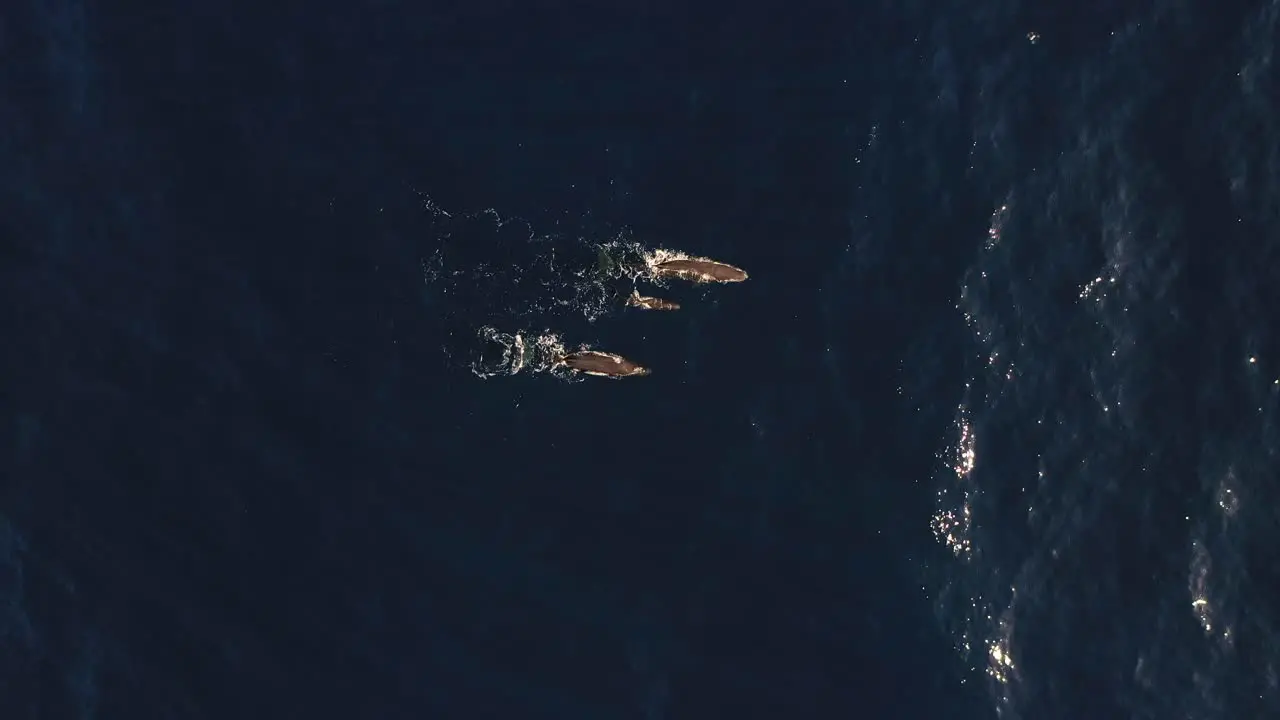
<point x="990" y="431"/>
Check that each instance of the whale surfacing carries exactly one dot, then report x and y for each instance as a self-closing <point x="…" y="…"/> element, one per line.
<point x="644" y="302"/>
<point x="602" y="364"/>
<point x="699" y="270"/>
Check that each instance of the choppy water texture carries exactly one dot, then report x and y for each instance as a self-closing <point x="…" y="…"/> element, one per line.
<point x="1107" y="489"/>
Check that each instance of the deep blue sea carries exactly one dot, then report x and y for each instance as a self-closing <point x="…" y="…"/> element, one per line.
<point x="991" y="430"/>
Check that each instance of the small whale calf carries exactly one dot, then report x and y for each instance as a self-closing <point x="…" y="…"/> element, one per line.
<point x="644" y="302"/>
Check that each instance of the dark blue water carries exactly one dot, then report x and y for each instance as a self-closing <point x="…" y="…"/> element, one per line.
<point x="991" y="430"/>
